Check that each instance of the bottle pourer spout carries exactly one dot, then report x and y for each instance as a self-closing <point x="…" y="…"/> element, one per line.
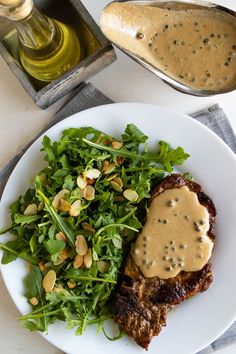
<point x="16" y="10"/>
<point x="9" y="2"/>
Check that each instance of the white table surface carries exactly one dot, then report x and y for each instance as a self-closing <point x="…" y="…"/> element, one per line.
<point x="20" y="119"/>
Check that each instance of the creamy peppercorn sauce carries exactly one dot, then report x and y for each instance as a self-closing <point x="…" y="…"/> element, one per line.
<point x="196" y="47"/>
<point x="174" y="237"/>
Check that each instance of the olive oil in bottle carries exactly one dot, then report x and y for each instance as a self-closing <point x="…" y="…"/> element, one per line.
<point x="47" y="47"/>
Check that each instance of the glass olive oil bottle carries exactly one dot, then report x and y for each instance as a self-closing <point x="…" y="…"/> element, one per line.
<point x="47" y="48"/>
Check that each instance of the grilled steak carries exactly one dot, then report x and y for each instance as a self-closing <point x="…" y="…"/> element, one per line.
<point x="141" y="303"/>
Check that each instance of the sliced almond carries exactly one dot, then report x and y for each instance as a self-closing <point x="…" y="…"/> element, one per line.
<point x="63" y="193"/>
<point x="103" y="266"/>
<point x="78" y="261"/>
<point x="71" y="284"/>
<point x="75" y="208"/>
<point x="105" y="163"/>
<point x="108" y="167"/>
<point x="117" y="242"/>
<point x="62" y="256"/>
<point x="81" y="182"/>
<point x="49" y="281"/>
<point x="41" y="206"/>
<point x="59" y="290"/>
<point x="131" y="195"/>
<point x="34" y="301"/>
<point x="109" y="178"/>
<point x="82" y="192"/>
<point x="116" y="186"/>
<point x="88" y="193"/>
<point x="42" y="266"/>
<point x="60" y="195"/>
<point x="87" y="227"/>
<point x="92" y="173"/>
<point x="81" y="245"/>
<point x="99" y="138"/>
<point x="31" y="210"/>
<point x="64" y="205"/>
<point x="61" y="237"/>
<point x="56" y="202"/>
<point x="88" y="259"/>
<point x="118" y="180"/>
<point x="116" y="145"/>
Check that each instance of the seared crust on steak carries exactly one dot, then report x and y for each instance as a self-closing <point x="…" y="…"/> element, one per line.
<point x="142" y="304"/>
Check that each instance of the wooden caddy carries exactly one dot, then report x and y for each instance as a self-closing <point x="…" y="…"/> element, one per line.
<point x="98" y="53"/>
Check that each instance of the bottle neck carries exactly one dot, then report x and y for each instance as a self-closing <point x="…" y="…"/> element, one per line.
<point x="36" y="31"/>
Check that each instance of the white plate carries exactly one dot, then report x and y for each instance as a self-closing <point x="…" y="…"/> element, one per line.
<point x="198" y="321"/>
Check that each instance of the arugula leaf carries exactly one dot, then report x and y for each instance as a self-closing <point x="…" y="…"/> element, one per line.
<point x="33" y="243"/>
<point x="59" y="221"/>
<point x="15" y="207"/>
<point x="69" y="183"/>
<point x="34" y="289"/>
<point x="25" y="219"/>
<point x="170" y="157"/>
<point x="13" y="249"/>
<point x="186" y="175"/>
<point x="8" y="257"/>
<point x="48" y="148"/>
<point x="33" y="284"/>
<point x="54" y="246"/>
<point x="6" y="229"/>
<point x="33" y="325"/>
<point x="132" y="133"/>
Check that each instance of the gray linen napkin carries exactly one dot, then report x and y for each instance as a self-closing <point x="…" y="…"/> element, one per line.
<point x="87" y="96"/>
<point x="215" y="119"/>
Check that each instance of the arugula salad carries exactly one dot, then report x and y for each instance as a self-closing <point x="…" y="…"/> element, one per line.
<point x="75" y="226"/>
